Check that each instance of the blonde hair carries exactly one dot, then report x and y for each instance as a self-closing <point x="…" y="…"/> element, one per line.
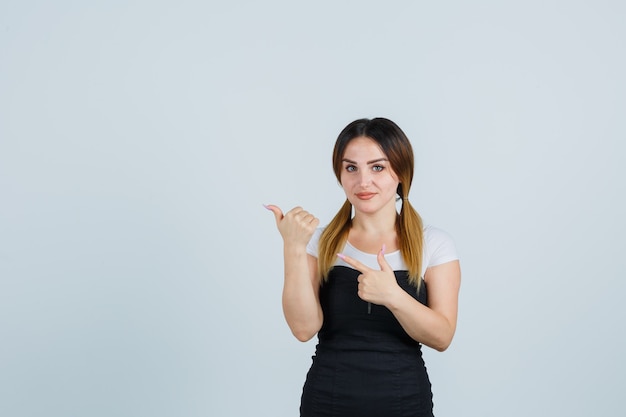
<point x="409" y="228"/>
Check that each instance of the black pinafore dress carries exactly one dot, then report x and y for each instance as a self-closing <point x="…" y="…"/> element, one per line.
<point x="365" y="364"/>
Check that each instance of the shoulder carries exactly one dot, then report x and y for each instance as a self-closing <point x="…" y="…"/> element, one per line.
<point x="435" y="235"/>
<point x="439" y="246"/>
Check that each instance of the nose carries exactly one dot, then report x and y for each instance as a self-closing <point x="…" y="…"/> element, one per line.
<point x="365" y="177"/>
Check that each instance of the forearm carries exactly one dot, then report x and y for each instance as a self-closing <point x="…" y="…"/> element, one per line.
<point x="301" y="305"/>
<point x="422" y="323"/>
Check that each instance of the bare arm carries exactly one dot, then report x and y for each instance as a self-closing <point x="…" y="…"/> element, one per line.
<point x="301" y="305"/>
<point x="433" y="325"/>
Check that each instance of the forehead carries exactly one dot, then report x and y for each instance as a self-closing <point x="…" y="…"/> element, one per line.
<point x="363" y="148"/>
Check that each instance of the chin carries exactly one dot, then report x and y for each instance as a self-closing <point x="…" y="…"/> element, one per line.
<point x="364" y="207"/>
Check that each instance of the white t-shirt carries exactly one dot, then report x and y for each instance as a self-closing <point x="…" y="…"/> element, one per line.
<point x="438" y="249"/>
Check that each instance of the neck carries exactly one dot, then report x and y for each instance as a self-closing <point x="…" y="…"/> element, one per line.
<point x="380" y="222"/>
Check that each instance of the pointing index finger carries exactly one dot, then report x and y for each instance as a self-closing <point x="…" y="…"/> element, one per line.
<point x="354" y="263"/>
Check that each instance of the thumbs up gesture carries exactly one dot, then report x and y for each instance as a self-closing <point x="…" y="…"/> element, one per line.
<point x="375" y="286"/>
<point x="296" y="226"/>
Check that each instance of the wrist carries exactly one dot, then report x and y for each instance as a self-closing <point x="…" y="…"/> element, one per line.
<point x="396" y="299"/>
<point x="294" y="249"/>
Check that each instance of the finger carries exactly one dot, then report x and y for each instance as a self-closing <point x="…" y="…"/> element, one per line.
<point x="315" y="222"/>
<point x="354" y="263"/>
<point x="303" y="216"/>
<point x="384" y="265"/>
<point x="278" y="213"/>
<point x="310" y="219"/>
<point x="294" y="211"/>
<point x="299" y="214"/>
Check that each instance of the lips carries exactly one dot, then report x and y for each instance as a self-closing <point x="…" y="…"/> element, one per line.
<point x="365" y="196"/>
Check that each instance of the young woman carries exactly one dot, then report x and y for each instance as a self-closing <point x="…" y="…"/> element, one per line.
<point x="374" y="284"/>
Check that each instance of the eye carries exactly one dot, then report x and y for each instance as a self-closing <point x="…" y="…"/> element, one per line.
<point x="378" y="168"/>
<point x="350" y="168"/>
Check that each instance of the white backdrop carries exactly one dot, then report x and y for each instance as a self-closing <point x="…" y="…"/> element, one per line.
<point x="141" y="276"/>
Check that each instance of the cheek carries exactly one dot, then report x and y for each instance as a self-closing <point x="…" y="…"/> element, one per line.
<point x="344" y="181"/>
<point x="393" y="185"/>
<point x="391" y="179"/>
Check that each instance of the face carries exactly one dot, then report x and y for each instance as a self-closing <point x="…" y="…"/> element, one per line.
<point x="366" y="176"/>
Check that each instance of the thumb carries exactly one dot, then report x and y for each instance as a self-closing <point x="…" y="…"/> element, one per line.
<point x="384" y="265"/>
<point x="278" y="213"/>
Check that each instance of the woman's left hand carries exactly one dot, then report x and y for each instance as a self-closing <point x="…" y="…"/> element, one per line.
<point x="375" y="286"/>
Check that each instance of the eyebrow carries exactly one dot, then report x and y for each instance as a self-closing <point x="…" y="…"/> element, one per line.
<point x="368" y="162"/>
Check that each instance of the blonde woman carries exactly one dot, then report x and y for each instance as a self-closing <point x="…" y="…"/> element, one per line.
<point x="374" y="284"/>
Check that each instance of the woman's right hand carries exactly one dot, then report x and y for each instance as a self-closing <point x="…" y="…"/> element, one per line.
<point x="301" y="304"/>
<point x="296" y="226"/>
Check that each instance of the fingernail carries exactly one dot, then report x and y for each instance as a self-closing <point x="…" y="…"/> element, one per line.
<point x="383" y="249"/>
<point x="267" y="207"/>
<point x="342" y="256"/>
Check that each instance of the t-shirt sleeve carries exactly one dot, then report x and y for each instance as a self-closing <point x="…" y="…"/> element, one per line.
<point x="440" y="247"/>
<point x="312" y="246"/>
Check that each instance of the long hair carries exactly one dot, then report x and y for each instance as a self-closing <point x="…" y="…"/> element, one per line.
<point x="397" y="148"/>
